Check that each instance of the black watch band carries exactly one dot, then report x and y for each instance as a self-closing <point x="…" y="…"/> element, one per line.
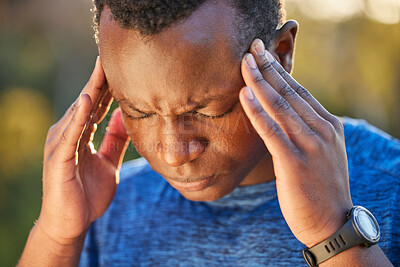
<point x="332" y="246"/>
<point x="349" y="235"/>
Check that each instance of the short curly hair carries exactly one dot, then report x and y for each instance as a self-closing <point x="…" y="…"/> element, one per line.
<point x="257" y="18"/>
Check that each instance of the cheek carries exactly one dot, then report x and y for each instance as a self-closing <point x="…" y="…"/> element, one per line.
<point x="232" y="140"/>
<point x="142" y="135"/>
<point x="236" y="136"/>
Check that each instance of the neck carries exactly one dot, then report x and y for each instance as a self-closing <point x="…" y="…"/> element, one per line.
<point x="262" y="173"/>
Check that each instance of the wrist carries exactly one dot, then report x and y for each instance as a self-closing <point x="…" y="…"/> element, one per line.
<point x="42" y="250"/>
<point x="361" y="228"/>
<point x="325" y="230"/>
<point x="62" y="231"/>
<point x="59" y="246"/>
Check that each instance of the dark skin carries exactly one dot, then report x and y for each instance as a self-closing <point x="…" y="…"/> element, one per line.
<point x="178" y="143"/>
<point x="193" y="108"/>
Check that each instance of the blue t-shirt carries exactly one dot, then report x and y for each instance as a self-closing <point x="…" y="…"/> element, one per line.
<point x="150" y="224"/>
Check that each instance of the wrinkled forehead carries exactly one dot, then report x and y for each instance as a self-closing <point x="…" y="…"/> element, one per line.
<point x="196" y="53"/>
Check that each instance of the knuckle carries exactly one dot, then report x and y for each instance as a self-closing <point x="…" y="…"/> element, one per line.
<point x="280" y="103"/>
<point x="258" y="111"/>
<point x="63" y="138"/>
<point x="276" y="129"/>
<point x="266" y="66"/>
<point x="259" y="79"/>
<point x="73" y="119"/>
<point x="338" y="124"/>
<point x="303" y="92"/>
<point x="286" y="90"/>
<point x="51" y="130"/>
<point x="282" y="72"/>
<point x="328" y="131"/>
<point x="52" y="127"/>
<point x="74" y="107"/>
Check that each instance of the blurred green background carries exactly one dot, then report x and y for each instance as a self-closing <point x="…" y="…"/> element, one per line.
<point x="348" y="56"/>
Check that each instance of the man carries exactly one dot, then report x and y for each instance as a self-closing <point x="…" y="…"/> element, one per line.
<point x="242" y="166"/>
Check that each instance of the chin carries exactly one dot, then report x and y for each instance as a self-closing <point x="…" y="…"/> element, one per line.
<point x="211" y="193"/>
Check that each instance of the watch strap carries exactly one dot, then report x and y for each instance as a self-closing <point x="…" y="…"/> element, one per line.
<point x="345" y="238"/>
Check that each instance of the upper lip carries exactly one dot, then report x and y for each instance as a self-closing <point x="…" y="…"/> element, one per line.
<point x="188" y="180"/>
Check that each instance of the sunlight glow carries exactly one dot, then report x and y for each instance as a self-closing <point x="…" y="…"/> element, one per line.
<point x="383" y="11"/>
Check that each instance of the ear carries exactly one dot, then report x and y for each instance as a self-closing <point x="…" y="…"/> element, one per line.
<point x="283" y="44"/>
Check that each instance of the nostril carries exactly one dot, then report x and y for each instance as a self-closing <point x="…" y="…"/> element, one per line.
<point x="179" y="153"/>
<point x="194" y="146"/>
<point x="159" y="147"/>
<point x="174" y="153"/>
<point x="197" y="147"/>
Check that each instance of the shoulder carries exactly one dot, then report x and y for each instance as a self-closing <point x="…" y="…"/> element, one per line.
<point x="135" y="170"/>
<point x="138" y="183"/>
<point x="371" y="147"/>
<point x="138" y="191"/>
<point x="139" y="188"/>
<point x="374" y="174"/>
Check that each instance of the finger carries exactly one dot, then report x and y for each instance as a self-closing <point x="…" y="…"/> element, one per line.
<point x="96" y="83"/>
<point x="115" y="141"/>
<point x="64" y="119"/>
<point x="305" y="94"/>
<point x="271" y="133"/>
<point x="54" y="132"/>
<point x="90" y="130"/>
<point x="65" y="150"/>
<point x="274" y="104"/>
<point x="264" y="59"/>
<point x="104" y="107"/>
<point x="93" y="88"/>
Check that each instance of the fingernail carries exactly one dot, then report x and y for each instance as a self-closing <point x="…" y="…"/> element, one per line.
<point x="248" y="93"/>
<point x="259" y="47"/>
<point x="250" y="61"/>
<point x="270" y="57"/>
<point x="80" y="99"/>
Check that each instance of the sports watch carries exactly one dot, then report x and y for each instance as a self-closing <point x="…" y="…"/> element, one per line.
<point x="361" y="228"/>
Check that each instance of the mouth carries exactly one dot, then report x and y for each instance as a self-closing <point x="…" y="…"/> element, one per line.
<point x="191" y="185"/>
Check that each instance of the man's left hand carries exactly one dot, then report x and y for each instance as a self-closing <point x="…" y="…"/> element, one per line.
<point x="306" y="143"/>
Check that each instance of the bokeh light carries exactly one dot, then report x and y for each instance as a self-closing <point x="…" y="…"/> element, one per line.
<point x="25" y="117"/>
<point x="383" y="11"/>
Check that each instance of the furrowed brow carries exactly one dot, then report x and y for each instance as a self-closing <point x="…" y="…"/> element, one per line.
<point x="198" y="105"/>
<point x="129" y="105"/>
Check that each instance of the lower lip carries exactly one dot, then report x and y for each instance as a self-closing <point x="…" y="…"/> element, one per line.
<point x="192" y="186"/>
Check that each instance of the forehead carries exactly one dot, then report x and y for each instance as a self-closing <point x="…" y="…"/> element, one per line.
<point x="192" y="59"/>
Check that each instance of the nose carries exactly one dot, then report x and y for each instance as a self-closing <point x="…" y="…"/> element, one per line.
<point x="176" y="152"/>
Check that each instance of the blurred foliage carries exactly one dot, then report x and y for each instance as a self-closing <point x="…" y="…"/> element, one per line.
<point x="352" y="68"/>
<point x="47" y="52"/>
<point x="25" y="115"/>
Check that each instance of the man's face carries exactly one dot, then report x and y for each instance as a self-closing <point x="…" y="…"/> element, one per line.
<point x="178" y="91"/>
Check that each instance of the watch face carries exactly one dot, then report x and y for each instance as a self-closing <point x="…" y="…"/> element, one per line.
<point x="366" y="224"/>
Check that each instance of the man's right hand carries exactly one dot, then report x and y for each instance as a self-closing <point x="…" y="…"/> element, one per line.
<point x="79" y="183"/>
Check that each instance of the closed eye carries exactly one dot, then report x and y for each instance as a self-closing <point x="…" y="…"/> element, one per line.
<point x="143" y="115"/>
<point x="138" y="118"/>
<point x="213" y="116"/>
<point x="194" y="112"/>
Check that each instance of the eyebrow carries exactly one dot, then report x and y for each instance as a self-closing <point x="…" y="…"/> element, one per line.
<point x="203" y="104"/>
